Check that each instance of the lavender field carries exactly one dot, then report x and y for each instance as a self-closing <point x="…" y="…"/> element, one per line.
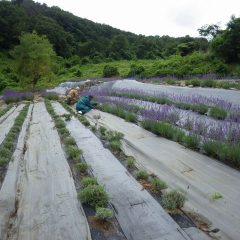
<point x="207" y="124"/>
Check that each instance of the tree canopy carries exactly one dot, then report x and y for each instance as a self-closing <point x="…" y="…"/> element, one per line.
<point x="71" y="35"/>
<point x="227" y="44"/>
<point x="34" y="58"/>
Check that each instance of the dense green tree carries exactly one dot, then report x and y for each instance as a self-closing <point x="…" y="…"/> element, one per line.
<point x="209" y="31"/>
<point x="18" y="2"/>
<point x="185" y="48"/>
<point x="227" y="44"/>
<point x="34" y="59"/>
<point x="71" y="35"/>
<point x="12" y="22"/>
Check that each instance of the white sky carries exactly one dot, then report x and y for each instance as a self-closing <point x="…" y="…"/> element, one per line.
<point x="153" y="17"/>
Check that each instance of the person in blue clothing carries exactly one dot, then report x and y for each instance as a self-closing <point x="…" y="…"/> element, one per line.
<point x="85" y="104"/>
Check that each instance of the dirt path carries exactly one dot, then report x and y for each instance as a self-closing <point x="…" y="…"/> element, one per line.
<point x="138" y="213"/>
<point x="39" y="184"/>
<point x="7" y="121"/>
<point x="232" y="96"/>
<point x="197" y="175"/>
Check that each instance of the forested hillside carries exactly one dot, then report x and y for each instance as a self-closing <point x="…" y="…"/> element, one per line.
<point x="79" y="43"/>
<point x="71" y="35"/>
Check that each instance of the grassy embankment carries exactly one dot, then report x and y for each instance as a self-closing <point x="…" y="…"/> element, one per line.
<point x="177" y="66"/>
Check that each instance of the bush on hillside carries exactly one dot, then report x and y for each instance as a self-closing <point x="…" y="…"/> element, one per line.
<point x="136" y="71"/>
<point x="110" y="71"/>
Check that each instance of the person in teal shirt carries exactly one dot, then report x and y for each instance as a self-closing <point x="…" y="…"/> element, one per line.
<point x="84" y="105"/>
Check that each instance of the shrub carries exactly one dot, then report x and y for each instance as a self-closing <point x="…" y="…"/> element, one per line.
<point x="158" y="184"/>
<point x="82" y="167"/>
<point x="102" y="130"/>
<point x="142" y="174"/>
<point x="110" y="71"/>
<point x="136" y="71"/>
<point x="64" y="132"/>
<point x="193" y="82"/>
<point x="59" y="123"/>
<point x="211" y="148"/>
<point x="114" y="136"/>
<point x="191" y="141"/>
<point x="179" y="136"/>
<point x="69" y="141"/>
<point x="104" y="213"/>
<point x="78" y="73"/>
<point x="130" y="162"/>
<point x="3" y="161"/>
<point x="208" y="83"/>
<point x="130" y="117"/>
<point x="199" y="108"/>
<point x="74" y="153"/>
<point x="115" y="145"/>
<point x="218" y="113"/>
<point x="173" y="200"/>
<point x="227" y="153"/>
<point x="94" y="128"/>
<point x="94" y="195"/>
<point x="6" y="153"/>
<point x="67" y="117"/>
<point x="86" y="181"/>
<point x="159" y="128"/>
<point x="225" y="84"/>
<point x="84" y="121"/>
<point x="171" y="82"/>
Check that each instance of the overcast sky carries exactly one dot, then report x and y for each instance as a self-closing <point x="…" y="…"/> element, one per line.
<point x="153" y="17"/>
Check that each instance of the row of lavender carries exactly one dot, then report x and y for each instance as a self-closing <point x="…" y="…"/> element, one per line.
<point x="11" y="96"/>
<point x="196" y="103"/>
<point x="200" y="125"/>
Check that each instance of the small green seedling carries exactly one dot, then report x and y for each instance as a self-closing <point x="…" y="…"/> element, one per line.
<point x="130" y="162"/>
<point x="215" y="196"/>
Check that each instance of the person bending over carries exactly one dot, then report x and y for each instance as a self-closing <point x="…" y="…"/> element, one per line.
<point x="85" y="104"/>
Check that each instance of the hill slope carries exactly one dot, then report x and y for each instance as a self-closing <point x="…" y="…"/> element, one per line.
<point x="73" y="35"/>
